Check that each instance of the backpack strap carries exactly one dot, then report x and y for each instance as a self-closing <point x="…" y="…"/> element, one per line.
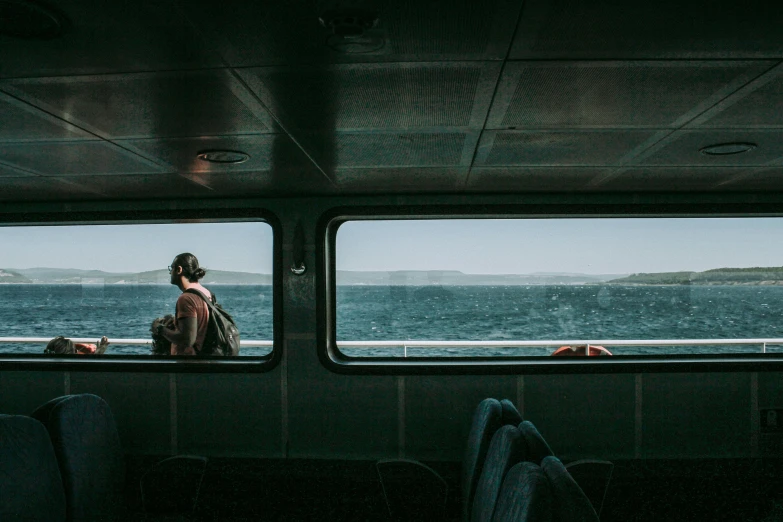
<point x="209" y="302"/>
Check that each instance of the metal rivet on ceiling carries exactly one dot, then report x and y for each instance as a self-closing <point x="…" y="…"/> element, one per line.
<point x="223" y="156"/>
<point x="726" y="149"/>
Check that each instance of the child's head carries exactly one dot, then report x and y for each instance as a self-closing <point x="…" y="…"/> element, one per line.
<point x="60" y="345"/>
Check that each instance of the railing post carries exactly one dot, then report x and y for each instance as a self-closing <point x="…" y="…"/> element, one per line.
<point x="764" y="348"/>
<point x="405" y="349"/>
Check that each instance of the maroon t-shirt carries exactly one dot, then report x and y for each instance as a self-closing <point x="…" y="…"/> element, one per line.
<point x="189" y="305"/>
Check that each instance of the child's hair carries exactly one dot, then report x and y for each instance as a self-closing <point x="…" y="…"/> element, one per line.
<point x="161" y="345"/>
<point x="59" y="345"/>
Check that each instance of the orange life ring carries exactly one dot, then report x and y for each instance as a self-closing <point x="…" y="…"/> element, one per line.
<point x="581" y="349"/>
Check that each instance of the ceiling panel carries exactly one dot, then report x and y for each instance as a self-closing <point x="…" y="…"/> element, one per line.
<point x="21" y="122"/>
<point x="613" y="94"/>
<point x="104" y="37"/>
<point x="399" y="96"/>
<point x="665" y="29"/>
<point x="267" y="33"/>
<point x="405" y="180"/>
<point x="683" y="147"/>
<point x="148" y="104"/>
<point x="146" y="186"/>
<point x="6" y="171"/>
<point x="375" y="150"/>
<point x="670" y="179"/>
<point x="266" y="151"/>
<point x="537" y="148"/>
<point x="759" y="109"/>
<point x="263" y="184"/>
<point x="546" y="179"/>
<point x="44" y="189"/>
<point x="74" y="158"/>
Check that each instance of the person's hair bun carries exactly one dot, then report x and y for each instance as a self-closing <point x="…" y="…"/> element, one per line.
<point x="199" y="273"/>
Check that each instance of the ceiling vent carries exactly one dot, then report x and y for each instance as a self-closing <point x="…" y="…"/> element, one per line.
<point x="231" y="157"/>
<point x="352" y="30"/>
<point x="726" y="149"/>
<point x="30" y="21"/>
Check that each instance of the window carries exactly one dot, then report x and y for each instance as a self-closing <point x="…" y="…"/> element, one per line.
<point x="87" y="281"/>
<point x="523" y="288"/>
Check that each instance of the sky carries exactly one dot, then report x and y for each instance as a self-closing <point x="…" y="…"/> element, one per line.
<point x="243" y="247"/>
<point x="476" y="246"/>
<point x="588" y="246"/>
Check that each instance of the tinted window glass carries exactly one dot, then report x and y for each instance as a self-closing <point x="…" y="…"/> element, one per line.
<point x="84" y="282"/>
<point x="527" y="287"/>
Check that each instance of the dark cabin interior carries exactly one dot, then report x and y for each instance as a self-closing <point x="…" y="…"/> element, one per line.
<point x="136" y="110"/>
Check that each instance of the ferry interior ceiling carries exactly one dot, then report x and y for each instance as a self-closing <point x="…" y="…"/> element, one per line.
<point x="174" y="111"/>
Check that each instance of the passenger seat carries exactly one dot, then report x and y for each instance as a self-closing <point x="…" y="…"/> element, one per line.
<point x="85" y="439"/>
<point x="30" y="484"/>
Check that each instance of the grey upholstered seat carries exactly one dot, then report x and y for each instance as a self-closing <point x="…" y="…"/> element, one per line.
<point x="525" y="496"/>
<point x="569" y="502"/>
<point x="506" y="449"/>
<point x="85" y="439"/>
<point x="489" y="416"/>
<point x="30" y="484"/>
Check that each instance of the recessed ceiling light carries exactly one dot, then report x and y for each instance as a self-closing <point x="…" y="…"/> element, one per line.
<point x="223" y="156"/>
<point x="352" y="30"/>
<point x="726" y="149"/>
<point x="29" y="20"/>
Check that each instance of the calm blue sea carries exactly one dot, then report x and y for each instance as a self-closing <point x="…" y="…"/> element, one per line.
<point x="420" y="313"/>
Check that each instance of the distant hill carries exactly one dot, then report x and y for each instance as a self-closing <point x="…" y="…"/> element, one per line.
<point x="716" y="276"/>
<point x="8" y="276"/>
<point x="75" y="276"/>
<point x="454" y="277"/>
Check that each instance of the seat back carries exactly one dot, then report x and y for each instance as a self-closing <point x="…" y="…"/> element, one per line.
<point x="30" y="484"/>
<point x="506" y="449"/>
<point x="526" y="495"/>
<point x="85" y="440"/>
<point x="569" y="502"/>
<point x="489" y="416"/>
<point x="537" y="448"/>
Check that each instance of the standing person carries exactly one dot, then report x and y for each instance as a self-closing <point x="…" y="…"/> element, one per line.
<point x="192" y="314"/>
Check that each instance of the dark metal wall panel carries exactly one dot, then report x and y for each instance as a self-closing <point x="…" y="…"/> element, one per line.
<point x="404" y="149"/>
<point x="613" y="94"/>
<point x="148" y="105"/>
<point x="400" y="180"/>
<point x="378" y="96"/>
<point x="104" y="37"/>
<point x="712" y="417"/>
<point x="673" y="178"/>
<point x="682" y="148"/>
<point x="22" y="392"/>
<point x="73" y="158"/>
<point x="140" y="403"/>
<point x="45" y="189"/>
<point x="583" y="416"/>
<point x="147" y="186"/>
<point x="540" y="148"/>
<point x="668" y="29"/>
<point x="271" y="33"/>
<point x="765" y="179"/>
<point x="280" y="182"/>
<point x="524" y="179"/>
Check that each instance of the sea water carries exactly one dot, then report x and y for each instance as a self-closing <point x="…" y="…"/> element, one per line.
<point x="433" y="312"/>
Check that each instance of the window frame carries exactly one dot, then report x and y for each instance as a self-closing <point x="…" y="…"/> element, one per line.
<point x="337" y="362"/>
<point x="159" y="364"/>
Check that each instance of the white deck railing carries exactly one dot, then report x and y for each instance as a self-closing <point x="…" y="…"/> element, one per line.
<point x="762" y="343"/>
<point x="119" y="342"/>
